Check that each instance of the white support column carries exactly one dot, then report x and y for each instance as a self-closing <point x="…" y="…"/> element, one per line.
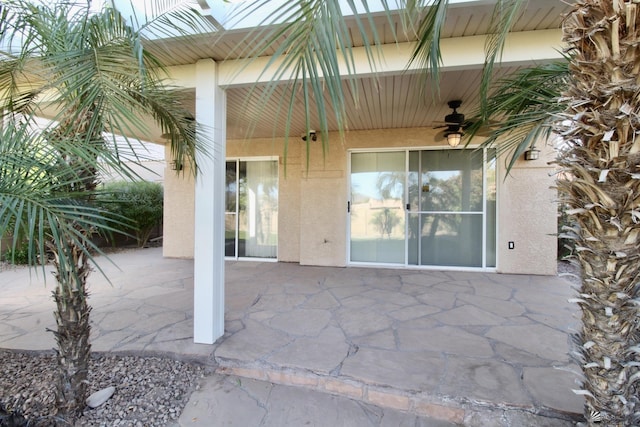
<point x="208" y="268"/>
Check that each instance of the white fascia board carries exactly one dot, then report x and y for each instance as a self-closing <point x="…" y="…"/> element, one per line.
<point x="237" y="15"/>
<point x="526" y="47"/>
<point x="183" y="76"/>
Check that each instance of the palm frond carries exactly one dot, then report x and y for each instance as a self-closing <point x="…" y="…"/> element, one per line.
<point x="169" y="19"/>
<point x="524" y="105"/>
<point x="505" y="14"/>
<point x="312" y="52"/>
<point x="38" y="204"/>
<point x="427" y="53"/>
<point x="115" y="84"/>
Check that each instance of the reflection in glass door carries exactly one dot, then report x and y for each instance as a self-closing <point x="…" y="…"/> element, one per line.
<point x="251" y="216"/>
<point x="449" y="208"/>
<point x="424" y="208"/>
<point x="377" y="219"/>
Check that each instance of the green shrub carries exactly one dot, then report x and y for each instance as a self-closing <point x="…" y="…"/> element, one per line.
<point x="18" y="257"/>
<point x="141" y="202"/>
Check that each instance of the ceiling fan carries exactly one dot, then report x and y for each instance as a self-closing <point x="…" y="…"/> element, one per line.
<point x="454" y="124"/>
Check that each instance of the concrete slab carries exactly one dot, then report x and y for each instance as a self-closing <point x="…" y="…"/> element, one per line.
<point x="541" y="340"/>
<point x="467" y="315"/>
<point x="303" y="322"/>
<point x="234" y="401"/>
<point x="484" y="380"/>
<point x="325" y="352"/>
<point x="497" y="306"/>
<point x="254" y="342"/>
<point x="548" y="386"/>
<point x="444" y="339"/>
<point x="222" y="401"/>
<point x="360" y="322"/>
<point x="402" y="370"/>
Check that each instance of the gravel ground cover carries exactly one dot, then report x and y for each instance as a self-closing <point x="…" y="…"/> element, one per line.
<point x="150" y="391"/>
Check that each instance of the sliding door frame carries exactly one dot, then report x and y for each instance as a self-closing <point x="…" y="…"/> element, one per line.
<point x="237" y="161"/>
<point x="406" y="150"/>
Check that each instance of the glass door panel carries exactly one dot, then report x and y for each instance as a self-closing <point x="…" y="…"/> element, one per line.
<point x="445" y="225"/>
<point x="258" y="210"/>
<point x="377" y="219"/>
<point x="451" y="240"/>
<point x="230" y="214"/>
<point x="230" y="229"/>
<point x="413" y="217"/>
<point x="252" y="224"/>
<point x="451" y="181"/>
<point x="490" y="209"/>
<point x="450" y="200"/>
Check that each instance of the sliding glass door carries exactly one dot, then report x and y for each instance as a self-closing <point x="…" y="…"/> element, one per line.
<point x="377" y="207"/>
<point x="251" y="217"/>
<point x="423" y="208"/>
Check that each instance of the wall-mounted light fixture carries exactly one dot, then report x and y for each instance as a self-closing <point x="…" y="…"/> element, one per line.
<point x="454" y="138"/>
<point x="312" y="135"/>
<point x="532" y="153"/>
<point x="176" y="165"/>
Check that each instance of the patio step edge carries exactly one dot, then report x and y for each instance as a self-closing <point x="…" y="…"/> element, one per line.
<point x="457" y="410"/>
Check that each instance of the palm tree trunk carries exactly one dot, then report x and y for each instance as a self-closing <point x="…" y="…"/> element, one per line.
<point x="602" y="188"/>
<point x="72" y="335"/>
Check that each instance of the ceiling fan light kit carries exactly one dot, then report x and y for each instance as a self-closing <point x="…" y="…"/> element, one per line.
<point x="454" y="138"/>
<point x="454" y="122"/>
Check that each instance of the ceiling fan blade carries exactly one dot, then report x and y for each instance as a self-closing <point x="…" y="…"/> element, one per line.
<point x="440" y="136"/>
<point x="484" y="130"/>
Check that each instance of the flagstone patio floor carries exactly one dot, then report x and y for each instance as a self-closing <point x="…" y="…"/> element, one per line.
<point x="461" y="347"/>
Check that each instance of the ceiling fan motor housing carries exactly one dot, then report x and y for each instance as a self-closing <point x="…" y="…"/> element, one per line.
<point x="452" y="128"/>
<point x="454" y="117"/>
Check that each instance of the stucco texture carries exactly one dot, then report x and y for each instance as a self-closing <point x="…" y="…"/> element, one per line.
<point x="179" y="209"/>
<point x="528" y="218"/>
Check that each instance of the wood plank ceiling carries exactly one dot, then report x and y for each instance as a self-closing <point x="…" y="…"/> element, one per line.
<point x="389" y="101"/>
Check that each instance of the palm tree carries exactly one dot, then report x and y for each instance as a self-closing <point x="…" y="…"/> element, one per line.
<point x="599" y="126"/>
<point x="38" y="206"/>
<point x="592" y="103"/>
<point x="90" y="73"/>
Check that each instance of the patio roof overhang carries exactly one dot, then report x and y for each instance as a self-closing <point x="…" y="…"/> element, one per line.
<point x="388" y="95"/>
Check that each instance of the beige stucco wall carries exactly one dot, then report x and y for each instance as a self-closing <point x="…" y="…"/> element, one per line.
<point x="312" y="217"/>
<point x="179" y="210"/>
<point x="323" y="204"/>
<point x="528" y="217"/>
